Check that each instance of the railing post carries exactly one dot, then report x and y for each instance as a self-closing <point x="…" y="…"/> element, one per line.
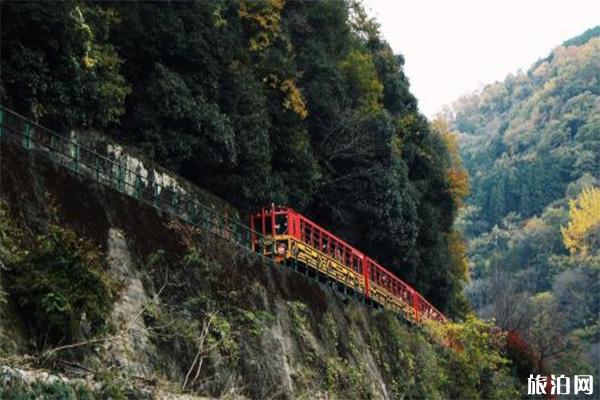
<point x="138" y="186"/>
<point x="52" y="149"/>
<point x="27" y="136"/>
<point x="194" y="213"/>
<point x="174" y="202"/>
<point x="119" y="177"/>
<point x="204" y="219"/>
<point x="74" y="150"/>
<point x="155" y="194"/>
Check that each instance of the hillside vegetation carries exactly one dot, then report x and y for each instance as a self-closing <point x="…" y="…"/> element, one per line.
<point x="297" y="103"/>
<point x="532" y="147"/>
<point x="128" y="304"/>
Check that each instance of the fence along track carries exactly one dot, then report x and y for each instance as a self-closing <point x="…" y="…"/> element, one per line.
<point x="20" y="131"/>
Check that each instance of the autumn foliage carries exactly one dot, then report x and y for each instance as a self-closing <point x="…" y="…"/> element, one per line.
<point x="582" y="234"/>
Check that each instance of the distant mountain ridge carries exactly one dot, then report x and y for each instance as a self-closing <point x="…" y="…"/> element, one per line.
<point x="531" y="145"/>
<point x="583" y="38"/>
<point x="552" y="110"/>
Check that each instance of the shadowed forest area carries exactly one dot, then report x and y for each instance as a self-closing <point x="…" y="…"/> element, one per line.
<point x="490" y="210"/>
<point x="297" y="103"/>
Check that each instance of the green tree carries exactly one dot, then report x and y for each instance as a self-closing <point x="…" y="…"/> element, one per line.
<point x="58" y="65"/>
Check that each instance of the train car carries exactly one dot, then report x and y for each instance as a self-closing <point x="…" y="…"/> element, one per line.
<point x="286" y="235"/>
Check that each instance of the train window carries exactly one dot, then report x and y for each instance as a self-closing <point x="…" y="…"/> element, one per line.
<point x="356" y="264"/>
<point x="281" y="224"/>
<point x="268" y="225"/>
<point x="307" y="233"/>
<point x="337" y="251"/>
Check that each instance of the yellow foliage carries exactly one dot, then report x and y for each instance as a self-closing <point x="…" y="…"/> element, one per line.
<point x="294" y="100"/>
<point x="264" y="15"/>
<point x="457" y="176"/>
<point x="458" y="180"/>
<point x="581" y="235"/>
<point x="457" y="250"/>
<point x="88" y="62"/>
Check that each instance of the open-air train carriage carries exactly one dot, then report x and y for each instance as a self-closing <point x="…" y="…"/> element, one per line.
<point x="295" y="238"/>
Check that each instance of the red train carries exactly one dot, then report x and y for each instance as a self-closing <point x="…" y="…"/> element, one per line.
<point x="292" y="237"/>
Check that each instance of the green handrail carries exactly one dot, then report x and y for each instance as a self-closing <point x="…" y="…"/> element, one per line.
<point x="83" y="160"/>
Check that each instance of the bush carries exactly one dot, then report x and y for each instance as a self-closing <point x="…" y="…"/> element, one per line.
<point x="13" y="387"/>
<point x="61" y="287"/>
<point x="475" y="363"/>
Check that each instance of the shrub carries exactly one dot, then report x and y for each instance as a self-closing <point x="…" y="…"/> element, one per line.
<point x="61" y="287"/>
<point x="13" y="387"/>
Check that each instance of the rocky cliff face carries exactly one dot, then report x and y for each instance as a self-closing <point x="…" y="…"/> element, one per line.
<point x="194" y="313"/>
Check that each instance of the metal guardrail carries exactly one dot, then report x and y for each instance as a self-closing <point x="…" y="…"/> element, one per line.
<point x="83" y="160"/>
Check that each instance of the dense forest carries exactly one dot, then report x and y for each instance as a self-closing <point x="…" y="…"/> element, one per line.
<point x="301" y="103"/>
<point x="532" y="147"/>
<point x="297" y="103"/>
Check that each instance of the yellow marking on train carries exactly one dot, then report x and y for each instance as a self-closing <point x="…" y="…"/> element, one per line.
<point x="331" y="267"/>
<point x="325" y="264"/>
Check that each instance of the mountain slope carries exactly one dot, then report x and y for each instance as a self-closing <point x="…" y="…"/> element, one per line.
<point x="126" y="303"/>
<point x="532" y="147"/>
<point x="527" y="138"/>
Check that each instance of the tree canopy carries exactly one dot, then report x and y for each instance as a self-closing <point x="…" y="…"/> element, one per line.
<point x="297" y="103"/>
<point x="532" y="147"/>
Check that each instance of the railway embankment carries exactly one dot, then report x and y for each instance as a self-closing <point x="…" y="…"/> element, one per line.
<point x="122" y="301"/>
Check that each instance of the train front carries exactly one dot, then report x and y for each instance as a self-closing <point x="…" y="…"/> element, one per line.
<point x="272" y="230"/>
